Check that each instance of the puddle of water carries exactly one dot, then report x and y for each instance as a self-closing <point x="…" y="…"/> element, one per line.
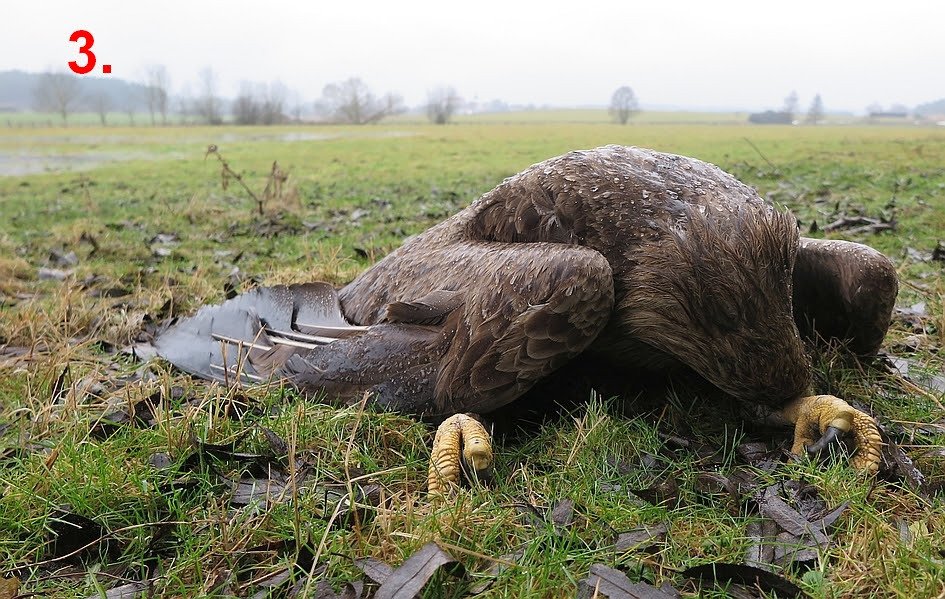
<point x="308" y="136"/>
<point x="291" y="136"/>
<point x="25" y="163"/>
<point x="300" y="136"/>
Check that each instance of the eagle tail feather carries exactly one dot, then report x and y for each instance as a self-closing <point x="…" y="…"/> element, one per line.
<point x="251" y="337"/>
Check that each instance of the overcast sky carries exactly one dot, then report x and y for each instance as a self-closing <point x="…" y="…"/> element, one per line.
<point x="689" y="53"/>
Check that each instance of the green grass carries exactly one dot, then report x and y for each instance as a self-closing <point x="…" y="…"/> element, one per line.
<point x="355" y="194"/>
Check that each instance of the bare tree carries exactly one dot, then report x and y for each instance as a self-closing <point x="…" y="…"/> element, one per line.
<point x="815" y="113"/>
<point x="792" y="104"/>
<point x="186" y="108"/>
<point x="158" y="89"/>
<point x="297" y="107"/>
<point x="352" y="101"/>
<point x="623" y="105"/>
<point x="101" y="103"/>
<point x="442" y="104"/>
<point x="259" y="104"/>
<point x="208" y="104"/>
<point x="273" y="108"/>
<point x="246" y="107"/>
<point x="57" y="92"/>
<point x="130" y="109"/>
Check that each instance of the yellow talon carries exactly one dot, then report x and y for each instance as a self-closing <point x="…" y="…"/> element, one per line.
<point x="456" y="432"/>
<point x="814" y="415"/>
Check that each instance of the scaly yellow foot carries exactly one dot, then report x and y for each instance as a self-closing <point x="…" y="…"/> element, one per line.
<point x="820" y="419"/>
<point x="460" y="433"/>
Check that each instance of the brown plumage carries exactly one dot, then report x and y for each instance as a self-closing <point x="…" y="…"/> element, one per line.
<point x="640" y="257"/>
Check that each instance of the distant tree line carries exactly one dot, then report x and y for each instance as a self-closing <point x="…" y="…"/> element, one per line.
<point x="350" y="101"/>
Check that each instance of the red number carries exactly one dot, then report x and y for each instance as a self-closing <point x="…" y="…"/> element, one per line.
<point x="85" y="49"/>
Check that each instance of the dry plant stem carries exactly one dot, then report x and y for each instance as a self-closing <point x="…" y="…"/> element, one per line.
<point x="760" y="153"/>
<point x="212" y="149"/>
<point x="347" y="463"/>
<point x="292" y="441"/>
<point x="475" y="554"/>
<point x="274" y="184"/>
<point x="911" y="387"/>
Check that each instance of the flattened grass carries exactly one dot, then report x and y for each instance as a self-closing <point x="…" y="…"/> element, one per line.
<point x="360" y="192"/>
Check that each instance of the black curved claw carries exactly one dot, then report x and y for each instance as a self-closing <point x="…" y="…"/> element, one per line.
<point x="830" y="436"/>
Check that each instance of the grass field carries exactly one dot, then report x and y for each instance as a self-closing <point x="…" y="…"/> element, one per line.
<point x="129" y="464"/>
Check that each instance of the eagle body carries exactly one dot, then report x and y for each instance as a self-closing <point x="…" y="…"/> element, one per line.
<point x="689" y="265"/>
<point x="632" y="256"/>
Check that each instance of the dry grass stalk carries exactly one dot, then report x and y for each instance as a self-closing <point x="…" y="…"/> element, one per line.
<point x="276" y="192"/>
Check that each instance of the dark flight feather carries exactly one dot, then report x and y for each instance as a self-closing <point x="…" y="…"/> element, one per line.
<point x="254" y="334"/>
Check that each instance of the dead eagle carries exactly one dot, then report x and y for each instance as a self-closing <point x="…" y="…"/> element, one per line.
<point x="639" y="257"/>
